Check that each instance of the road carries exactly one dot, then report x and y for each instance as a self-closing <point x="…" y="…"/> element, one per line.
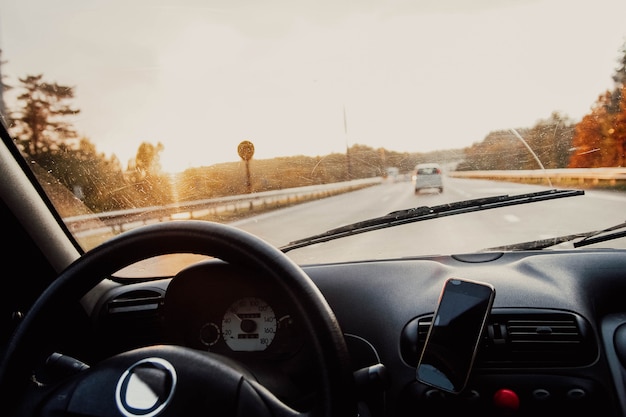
<point x="453" y="234"/>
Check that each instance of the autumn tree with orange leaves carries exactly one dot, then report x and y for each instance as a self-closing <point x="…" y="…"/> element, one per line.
<point x="600" y="137"/>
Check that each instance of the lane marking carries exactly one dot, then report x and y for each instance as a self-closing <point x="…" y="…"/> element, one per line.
<point x="511" y="218"/>
<point x="458" y="191"/>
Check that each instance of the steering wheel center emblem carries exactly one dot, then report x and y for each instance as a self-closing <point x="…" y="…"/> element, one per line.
<point x="145" y="388"/>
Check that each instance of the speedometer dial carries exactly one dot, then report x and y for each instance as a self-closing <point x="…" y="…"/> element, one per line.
<point x="249" y="324"/>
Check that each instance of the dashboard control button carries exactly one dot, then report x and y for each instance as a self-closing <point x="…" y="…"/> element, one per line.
<point x="472" y="396"/>
<point x="576" y="394"/>
<point x="506" y="399"/>
<point x="541" y="394"/>
<point x="434" y="395"/>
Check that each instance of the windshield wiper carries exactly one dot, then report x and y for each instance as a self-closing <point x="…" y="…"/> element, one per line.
<point x="594" y="237"/>
<point x="396" y="218"/>
<point x="586" y="238"/>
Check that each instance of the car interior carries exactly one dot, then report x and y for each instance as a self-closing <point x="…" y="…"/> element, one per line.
<point x="467" y="301"/>
<point x="555" y="345"/>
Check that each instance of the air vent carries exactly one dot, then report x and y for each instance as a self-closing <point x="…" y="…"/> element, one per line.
<point x="529" y="339"/>
<point x="130" y="320"/>
<point x="136" y="302"/>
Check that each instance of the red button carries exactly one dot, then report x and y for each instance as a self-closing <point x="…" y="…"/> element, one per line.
<point x="505" y="399"/>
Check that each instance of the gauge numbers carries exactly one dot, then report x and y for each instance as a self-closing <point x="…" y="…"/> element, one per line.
<point x="249" y="325"/>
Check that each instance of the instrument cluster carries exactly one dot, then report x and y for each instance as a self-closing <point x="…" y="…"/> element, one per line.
<point x="225" y="309"/>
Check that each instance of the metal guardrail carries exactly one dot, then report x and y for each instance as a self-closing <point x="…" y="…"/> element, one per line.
<point x="581" y="176"/>
<point x="120" y="220"/>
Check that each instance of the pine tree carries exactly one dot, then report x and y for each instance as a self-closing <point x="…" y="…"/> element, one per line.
<point x="40" y="125"/>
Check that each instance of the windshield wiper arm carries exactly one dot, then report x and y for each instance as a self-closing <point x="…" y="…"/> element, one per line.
<point x="396" y="218"/>
<point x="587" y="238"/>
<point x="594" y="237"/>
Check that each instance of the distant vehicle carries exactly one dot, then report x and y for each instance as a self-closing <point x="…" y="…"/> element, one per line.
<point x="428" y="176"/>
<point x="392" y="173"/>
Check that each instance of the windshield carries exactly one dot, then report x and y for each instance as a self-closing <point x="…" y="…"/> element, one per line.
<point x="289" y="119"/>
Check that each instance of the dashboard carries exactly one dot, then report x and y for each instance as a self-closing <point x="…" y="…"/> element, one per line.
<point x="555" y="339"/>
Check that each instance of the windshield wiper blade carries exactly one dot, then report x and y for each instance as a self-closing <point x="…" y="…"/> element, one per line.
<point x="411" y="215"/>
<point x="603" y="235"/>
<point x="587" y="238"/>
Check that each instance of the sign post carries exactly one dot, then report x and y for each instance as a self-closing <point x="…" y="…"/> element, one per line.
<point x="246" y="151"/>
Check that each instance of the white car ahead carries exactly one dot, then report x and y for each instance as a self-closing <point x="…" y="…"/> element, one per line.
<point x="428" y="176"/>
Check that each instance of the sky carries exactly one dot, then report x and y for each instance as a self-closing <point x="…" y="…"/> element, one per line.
<point x="312" y="77"/>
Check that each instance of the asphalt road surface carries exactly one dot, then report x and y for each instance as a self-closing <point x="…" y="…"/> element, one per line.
<point x="452" y="234"/>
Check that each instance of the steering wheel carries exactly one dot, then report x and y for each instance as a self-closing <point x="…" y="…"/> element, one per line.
<point x="167" y="380"/>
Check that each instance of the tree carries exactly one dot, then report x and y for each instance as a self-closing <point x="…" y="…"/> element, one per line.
<point x="144" y="173"/>
<point x="148" y="159"/>
<point x="551" y="140"/>
<point x="97" y="180"/>
<point x="619" y="78"/>
<point x="499" y="150"/>
<point x="588" y="136"/>
<point x="3" y="87"/>
<point x="600" y="137"/>
<point x="619" y="130"/>
<point x="40" y="124"/>
<point x="46" y="137"/>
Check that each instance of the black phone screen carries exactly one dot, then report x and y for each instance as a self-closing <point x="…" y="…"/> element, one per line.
<point x="455" y="334"/>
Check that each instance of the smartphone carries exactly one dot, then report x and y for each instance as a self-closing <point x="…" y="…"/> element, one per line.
<point x="455" y="334"/>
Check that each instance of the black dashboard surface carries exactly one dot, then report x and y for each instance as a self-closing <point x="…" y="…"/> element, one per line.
<point x="553" y="339"/>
